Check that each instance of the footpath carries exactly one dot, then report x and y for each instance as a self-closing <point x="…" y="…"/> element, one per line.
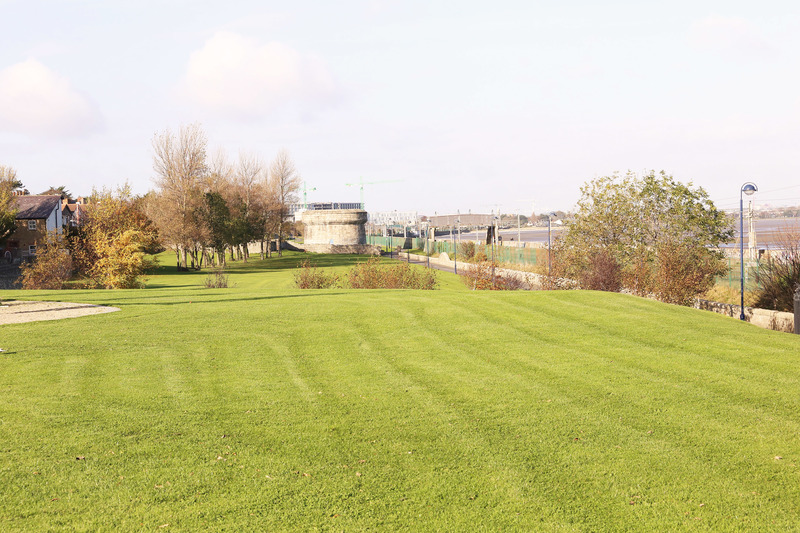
<point x="444" y="263"/>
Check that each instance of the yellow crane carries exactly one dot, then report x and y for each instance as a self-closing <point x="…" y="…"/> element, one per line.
<point x="361" y="184"/>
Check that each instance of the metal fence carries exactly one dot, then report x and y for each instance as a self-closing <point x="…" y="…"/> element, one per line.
<point x="733" y="278"/>
<point x="538" y="256"/>
<point x="502" y="254"/>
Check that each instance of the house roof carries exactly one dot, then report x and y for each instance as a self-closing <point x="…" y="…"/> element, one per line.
<point x="36" y="206"/>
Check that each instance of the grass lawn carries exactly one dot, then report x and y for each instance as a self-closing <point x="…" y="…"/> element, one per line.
<point x="262" y="407"/>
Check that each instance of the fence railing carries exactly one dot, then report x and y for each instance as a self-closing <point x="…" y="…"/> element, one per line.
<point x="733" y="278"/>
<point x="538" y="256"/>
<point x="502" y="254"/>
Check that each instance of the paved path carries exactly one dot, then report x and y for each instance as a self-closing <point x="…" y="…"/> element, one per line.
<point x="424" y="262"/>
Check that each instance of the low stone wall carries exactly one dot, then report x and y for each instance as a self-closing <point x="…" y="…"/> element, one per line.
<point x="363" y="249"/>
<point x="763" y="318"/>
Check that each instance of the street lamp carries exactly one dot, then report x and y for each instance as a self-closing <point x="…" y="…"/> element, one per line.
<point x="427" y="243"/>
<point x="455" y="245"/>
<point x="550" y="216"/>
<point x="389" y="231"/>
<point x="494" y="237"/>
<point x="748" y="188"/>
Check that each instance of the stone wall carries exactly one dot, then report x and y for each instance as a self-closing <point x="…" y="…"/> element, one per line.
<point x="763" y="318"/>
<point x="339" y="227"/>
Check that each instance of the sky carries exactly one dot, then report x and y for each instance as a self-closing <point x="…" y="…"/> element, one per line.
<point x="446" y="106"/>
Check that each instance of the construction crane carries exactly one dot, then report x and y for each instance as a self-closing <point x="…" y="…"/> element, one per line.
<point x="361" y="184"/>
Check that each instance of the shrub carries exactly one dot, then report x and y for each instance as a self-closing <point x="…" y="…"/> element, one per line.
<point x="216" y="279"/>
<point x="376" y="275"/>
<point x="121" y="263"/>
<point x="479" y="277"/>
<point x="603" y="273"/>
<point x="684" y="272"/>
<point x="466" y="250"/>
<point x="310" y="277"/>
<point x="778" y="276"/>
<point x="52" y="266"/>
<point x="369" y="275"/>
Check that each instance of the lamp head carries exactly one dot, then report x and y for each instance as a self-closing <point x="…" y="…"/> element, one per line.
<point x="749" y="188"/>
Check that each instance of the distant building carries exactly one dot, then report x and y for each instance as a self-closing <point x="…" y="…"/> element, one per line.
<point x="318" y="206"/>
<point x="470" y="219"/>
<point x="396" y="218"/>
<point x="36" y="215"/>
<point x="73" y="211"/>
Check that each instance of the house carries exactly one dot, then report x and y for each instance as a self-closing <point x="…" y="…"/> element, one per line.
<point x="36" y="216"/>
<point x="73" y="211"/>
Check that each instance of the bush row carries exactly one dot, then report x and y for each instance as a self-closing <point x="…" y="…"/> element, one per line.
<point x="371" y="274"/>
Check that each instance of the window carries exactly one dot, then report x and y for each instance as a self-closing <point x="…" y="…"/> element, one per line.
<point x="32" y="249"/>
<point x="32" y="225"/>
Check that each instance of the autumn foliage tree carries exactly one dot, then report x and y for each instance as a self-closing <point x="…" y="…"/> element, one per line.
<point x="8" y="211"/>
<point x="651" y="235"/>
<point x="202" y="209"/>
<point x="112" y="246"/>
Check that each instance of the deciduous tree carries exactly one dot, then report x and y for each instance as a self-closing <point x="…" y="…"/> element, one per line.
<point x="8" y="210"/>
<point x="652" y="235"/>
<point x="111" y="246"/>
<point x="179" y="161"/>
<point x="285" y="184"/>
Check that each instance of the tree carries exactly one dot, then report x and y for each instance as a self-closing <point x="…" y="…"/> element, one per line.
<point x="111" y="247"/>
<point x="247" y="200"/>
<point x="8" y="209"/>
<point x="284" y="184"/>
<point x="218" y="218"/>
<point x="8" y="177"/>
<point x="652" y="235"/>
<point x="61" y="191"/>
<point x="181" y="177"/>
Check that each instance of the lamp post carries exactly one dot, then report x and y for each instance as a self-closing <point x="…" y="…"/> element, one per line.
<point x="389" y="231"/>
<point x="748" y="188"/>
<point x="494" y="237"/>
<point x="455" y="247"/>
<point x="427" y="244"/>
<point x="549" y="234"/>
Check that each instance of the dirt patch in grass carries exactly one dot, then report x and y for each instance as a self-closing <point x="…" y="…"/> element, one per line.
<point x="17" y="312"/>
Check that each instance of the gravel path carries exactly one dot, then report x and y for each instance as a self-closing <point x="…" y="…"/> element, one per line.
<point x="16" y="312"/>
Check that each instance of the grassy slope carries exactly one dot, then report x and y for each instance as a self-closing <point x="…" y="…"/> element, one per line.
<point x="264" y="407"/>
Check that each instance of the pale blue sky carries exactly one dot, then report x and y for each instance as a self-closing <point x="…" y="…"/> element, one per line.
<point x="472" y="105"/>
